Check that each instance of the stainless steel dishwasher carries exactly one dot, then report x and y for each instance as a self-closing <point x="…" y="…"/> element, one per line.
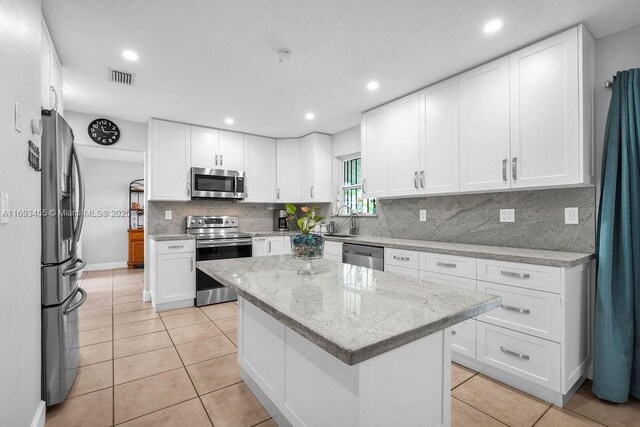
<point x="363" y="255"/>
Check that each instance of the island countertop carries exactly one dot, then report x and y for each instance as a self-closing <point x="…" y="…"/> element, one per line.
<point x="353" y="313"/>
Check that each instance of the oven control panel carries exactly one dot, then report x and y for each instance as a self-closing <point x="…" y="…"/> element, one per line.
<point x="212" y="221"/>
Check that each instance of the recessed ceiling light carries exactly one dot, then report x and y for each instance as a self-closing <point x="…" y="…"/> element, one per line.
<point x="492" y="26"/>
<point x="309" y="116"/>
<point x="130" y="55"/>
<point x="229" y="121"/>
<point x="372" y="85"/>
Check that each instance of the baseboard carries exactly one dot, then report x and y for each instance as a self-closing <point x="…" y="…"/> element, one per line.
<point x="106" y="266"/>
<point x="146" y="296"/>
<point x="38" y="418"/>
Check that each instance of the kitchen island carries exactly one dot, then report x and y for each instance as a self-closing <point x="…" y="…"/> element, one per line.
<point x="349" y="346"/>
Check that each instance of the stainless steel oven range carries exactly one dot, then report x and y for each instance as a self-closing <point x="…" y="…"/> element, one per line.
<point x="217" y="237"/>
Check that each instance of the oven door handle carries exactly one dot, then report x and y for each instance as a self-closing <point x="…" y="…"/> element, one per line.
<point x="224" y="242"/>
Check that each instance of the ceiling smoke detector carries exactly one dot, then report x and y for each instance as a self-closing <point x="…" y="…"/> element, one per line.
<point x="284" y="55"/>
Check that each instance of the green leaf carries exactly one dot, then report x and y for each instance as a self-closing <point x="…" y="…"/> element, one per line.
<point x="301" y="225"/>
<point x="317" y="218"/>
<point x="291" y="209"/>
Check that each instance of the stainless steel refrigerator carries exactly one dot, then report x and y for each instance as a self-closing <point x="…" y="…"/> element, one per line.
<point x="62" y="218"/>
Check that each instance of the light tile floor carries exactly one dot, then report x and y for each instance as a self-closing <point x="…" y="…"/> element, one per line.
<point x="139" y="368"/>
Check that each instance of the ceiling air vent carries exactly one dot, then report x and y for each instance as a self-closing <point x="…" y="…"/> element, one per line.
<point x="122" y="77"/>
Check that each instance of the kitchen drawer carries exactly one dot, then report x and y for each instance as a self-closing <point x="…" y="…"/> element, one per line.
<point x="403" y="271"/>
<point x="538" y="277"/>
<point x="532" y="312"/>
<point x="448" y="264"/>
<point x="463" y="338"/>
<point x="333" y="248"/>
<point x="175" y="246"/>
<point x="401" y="258"/>
<point x="528" y="357"/>
<point x="445" y="279"/>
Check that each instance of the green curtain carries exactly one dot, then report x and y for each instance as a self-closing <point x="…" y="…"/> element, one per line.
<point x="616" y="353"/>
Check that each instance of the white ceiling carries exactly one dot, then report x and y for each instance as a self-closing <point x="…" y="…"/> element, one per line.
<point x="203" y="60"/>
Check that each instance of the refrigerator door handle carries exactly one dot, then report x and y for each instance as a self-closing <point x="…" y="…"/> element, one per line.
<point x="78" y="265"/>
<point x="78" y="304"/>
<point x="81" y="196"/>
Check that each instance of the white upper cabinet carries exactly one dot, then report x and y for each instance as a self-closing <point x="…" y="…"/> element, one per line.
<point x="484" y="127"/>
<point x="204" y="144"/>
<point x="546" y="141"/>
<point x="288" y="173"/>
<point x="315" y="176"/>
<point x="170" y="156"/>
<point x="375" y="146"/>
<point x="50" y="73"/>
<point x="260" y="167"/>
<point x="440" y="160"/>
<point x="404" y="146"/>
<point x="230" y="150"/>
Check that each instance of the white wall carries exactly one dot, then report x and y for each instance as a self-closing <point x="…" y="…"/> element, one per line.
<point x="344" y="144"/>
<point x="616" y="52"/>
<point x="20" y="238"/>
<point x="105" y="241"/>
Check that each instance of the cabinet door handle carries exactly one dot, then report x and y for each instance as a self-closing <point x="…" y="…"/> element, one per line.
<point x="446" y="264"/>
<point x="278" y="194"/>
<point x="422" y="179"/>
<point x="269" y="251"/>
<point x="188" y="188"/>
<point x="504" y="170"/>
<point x="516" y="275"/>
<point x="191" y="262"/>
<point x="415" y="179"/>
<point x="514" y="169"/>
<point x="55" y="98"/>
<point x="516" y="309"/>
<point x="220" y="159"/>
<point x="514" y="353"/>
<point x="216" y="159"/>
<point x="175" y="246"/>
<point x="401" y="258"/>
<point x="364" y="186"/>
<point x="311" y="191"/>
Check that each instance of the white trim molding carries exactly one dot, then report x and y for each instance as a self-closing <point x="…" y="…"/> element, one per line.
<point x="39" y="416"/>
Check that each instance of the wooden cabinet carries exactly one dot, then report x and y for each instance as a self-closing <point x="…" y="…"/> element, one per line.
<point x="440" y="156"/>
<point x="375" y="158"/>
<point x="173" y="274"/>
<point x="404" y="146"/>
<point x="170" y="157"/>
<point x="261" y="169"/>
<point x="136" y="248"/>
<point x="547" y="143"/>
<point x="50" y="73"/>
<point x="289" y="170"/>
<point x="484" y="127"/>
<point x="315" y="175"/>
<point x="204" y="146"/>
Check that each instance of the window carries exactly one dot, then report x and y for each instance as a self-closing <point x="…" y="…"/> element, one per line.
<point x="351" y="190"/>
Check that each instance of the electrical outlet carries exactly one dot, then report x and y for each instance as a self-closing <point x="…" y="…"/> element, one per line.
<point x="168" y="215"/>
<point x="571" y="216"/>
<point x="4" y="208"/>
<point x="18" y="117"/>
<point x="507" y="215"/>
<point x="423" y="215"/>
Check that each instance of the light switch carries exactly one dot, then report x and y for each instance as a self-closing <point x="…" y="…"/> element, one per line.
<point x="4" y="208"/>
<point x="423" y="215"/>
<point x="571" y="216"/>
<point x="168" y="215"/>
<point x="18" y="117"/>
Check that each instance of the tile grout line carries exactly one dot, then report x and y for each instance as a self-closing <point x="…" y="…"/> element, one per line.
<point x="543" y="414"/>
<point x="480" y="410"/>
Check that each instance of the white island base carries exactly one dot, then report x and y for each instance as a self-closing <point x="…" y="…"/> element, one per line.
<point x="301" y="384"/>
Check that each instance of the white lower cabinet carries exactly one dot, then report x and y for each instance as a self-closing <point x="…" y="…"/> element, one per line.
<point x="402" y="271"/>
<point x="333" y="251"/>
<point x="173" y="274"/>
<point x="272" y="245"/>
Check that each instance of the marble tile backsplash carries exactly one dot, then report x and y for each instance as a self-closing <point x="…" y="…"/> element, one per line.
<point x="470" y="218"/>
<point x="475" y="219"/>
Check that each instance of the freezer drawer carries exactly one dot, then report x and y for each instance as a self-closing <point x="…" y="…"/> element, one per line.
<point x="60" y="352"/>
<point x="60" y="281"/>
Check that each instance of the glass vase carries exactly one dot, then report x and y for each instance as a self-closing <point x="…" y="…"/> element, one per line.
<point x="307" y="247"/>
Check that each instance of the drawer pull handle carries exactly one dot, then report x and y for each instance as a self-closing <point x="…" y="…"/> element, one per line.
<point x="512" y="274"/>
<point x="453" y="332"/>
<point x="514" y="354"/>
<point x="516" y="309"/>
<point x="401" y="258"/>
<point x="175" y="246"/>
<point x="446" y="264"/>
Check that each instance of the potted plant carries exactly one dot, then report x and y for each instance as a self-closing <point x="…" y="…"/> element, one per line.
<point x="306" y="246"/>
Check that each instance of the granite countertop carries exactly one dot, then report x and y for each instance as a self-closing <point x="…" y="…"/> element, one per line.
<point x="165" y="237"/>
<point x="353" y="313"/>
<point x="527" y="256"/>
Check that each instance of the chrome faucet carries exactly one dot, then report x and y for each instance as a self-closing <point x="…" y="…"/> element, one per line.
<point x="352" y="218"/>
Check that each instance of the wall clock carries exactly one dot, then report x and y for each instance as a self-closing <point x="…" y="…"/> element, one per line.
<point x="104" y="132"/>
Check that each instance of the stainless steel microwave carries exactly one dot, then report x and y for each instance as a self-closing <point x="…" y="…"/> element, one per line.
<point x="217" y="184"/>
